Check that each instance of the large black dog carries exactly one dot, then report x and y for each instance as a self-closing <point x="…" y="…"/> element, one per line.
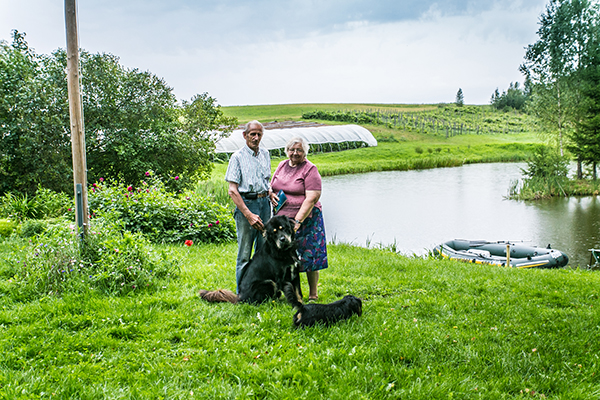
<point x="325" y="314"/>
<point x="273" y="265"/>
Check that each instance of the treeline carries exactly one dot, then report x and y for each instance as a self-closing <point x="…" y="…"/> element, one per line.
<point x="133" y="123"/>
<point x="446" y="120"/>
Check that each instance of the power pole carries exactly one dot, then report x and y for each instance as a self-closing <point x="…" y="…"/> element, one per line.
<point x="76" y="113"/>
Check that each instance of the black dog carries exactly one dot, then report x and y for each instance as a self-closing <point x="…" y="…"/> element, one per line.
<point x="326" y="314"/>
<point x="273" y="265"/>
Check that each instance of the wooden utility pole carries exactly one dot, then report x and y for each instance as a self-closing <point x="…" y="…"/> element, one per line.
<point x="76" y="113"/>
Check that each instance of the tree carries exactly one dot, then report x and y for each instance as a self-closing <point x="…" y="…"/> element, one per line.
<point x="551" y="64"/>
<point x="133" y="123"/>
<point x="34" y="137"/>
<point x="586" y="137"/>
<point x="513" y="98"/>
<point x="460" y="100"/>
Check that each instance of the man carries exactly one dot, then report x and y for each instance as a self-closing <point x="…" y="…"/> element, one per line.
<point x="248" y="174"/>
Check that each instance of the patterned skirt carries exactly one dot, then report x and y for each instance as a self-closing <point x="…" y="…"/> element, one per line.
<point x="312" y="244"/>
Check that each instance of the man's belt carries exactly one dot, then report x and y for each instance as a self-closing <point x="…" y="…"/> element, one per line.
<point x="253" y="195"/>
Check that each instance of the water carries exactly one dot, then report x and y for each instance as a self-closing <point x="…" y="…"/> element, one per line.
<point x="417" y="210"/>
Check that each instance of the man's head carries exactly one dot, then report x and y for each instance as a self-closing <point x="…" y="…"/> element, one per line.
<point x="253" y="133"/>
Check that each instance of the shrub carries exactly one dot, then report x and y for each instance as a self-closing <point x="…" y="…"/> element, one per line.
<point x="109" y="261"/>
<point x="419" y="150"/>
<point x="161" y="215"/>
<point x="7" y="227"/>
<point x="45" y="204"/>
<point x="33" y="227"/>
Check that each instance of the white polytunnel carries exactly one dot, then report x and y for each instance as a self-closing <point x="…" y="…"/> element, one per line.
<point x="319" y="135"/>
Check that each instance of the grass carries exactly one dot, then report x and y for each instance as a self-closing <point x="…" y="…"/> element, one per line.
<point x="431" y="329"/>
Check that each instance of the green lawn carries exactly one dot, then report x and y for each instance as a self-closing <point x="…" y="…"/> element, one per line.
<point x="430" y="329"/>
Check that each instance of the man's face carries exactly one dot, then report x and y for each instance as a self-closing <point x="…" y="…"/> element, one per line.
<point x="253" y="137"/>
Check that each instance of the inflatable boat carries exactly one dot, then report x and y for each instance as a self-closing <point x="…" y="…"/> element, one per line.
<point x="514" y="255"/>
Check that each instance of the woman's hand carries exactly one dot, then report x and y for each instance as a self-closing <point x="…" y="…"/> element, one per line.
<point x="274" y="199"/>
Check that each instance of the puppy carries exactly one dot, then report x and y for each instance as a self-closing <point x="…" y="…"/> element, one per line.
<point x="273" y="265"/>
<point x="325" y="314"/>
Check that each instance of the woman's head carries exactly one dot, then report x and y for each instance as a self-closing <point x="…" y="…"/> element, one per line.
<point x="296" y="149"/>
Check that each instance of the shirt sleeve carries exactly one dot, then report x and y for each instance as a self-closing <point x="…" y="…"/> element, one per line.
<point x="312" y="180"/>
<point x="234" y="172"/>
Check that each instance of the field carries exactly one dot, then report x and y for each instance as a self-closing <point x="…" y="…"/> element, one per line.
<point x="431" y="329"/>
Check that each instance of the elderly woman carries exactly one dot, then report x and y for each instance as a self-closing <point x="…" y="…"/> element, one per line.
<point x="301" y="183"/>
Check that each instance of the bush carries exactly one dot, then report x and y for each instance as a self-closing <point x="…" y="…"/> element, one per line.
<point x="7" y="227"/>
<point x="45" y="204"/>
<point x="161" y="215"/>
<point x="111" y="262"/>
<point x="419" y="150"/>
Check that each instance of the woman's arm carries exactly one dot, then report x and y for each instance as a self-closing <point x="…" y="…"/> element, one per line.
<point x="312" y="196"/>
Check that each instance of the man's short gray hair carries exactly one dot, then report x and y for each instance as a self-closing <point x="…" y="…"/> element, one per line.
<point x="249" y="125"/>
<point x="295" y="140"/>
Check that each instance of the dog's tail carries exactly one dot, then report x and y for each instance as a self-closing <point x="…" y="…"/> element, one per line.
<point x="219" y="296"/>
<point x="292" y="296"/>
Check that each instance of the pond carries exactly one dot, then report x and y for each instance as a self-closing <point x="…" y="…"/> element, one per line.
<point x="414" y="211"/>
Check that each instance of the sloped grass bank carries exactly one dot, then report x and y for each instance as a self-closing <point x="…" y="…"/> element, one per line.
<point x="430" y="329"/>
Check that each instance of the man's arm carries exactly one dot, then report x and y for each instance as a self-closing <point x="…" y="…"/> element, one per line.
<point x="253" y="219"/>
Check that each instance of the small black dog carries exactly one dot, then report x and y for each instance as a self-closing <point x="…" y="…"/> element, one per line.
<point x="326" y="314"/>
<point x="273" y="265"/>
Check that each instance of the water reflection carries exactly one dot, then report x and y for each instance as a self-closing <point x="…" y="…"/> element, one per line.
<point x="417" y="210"/>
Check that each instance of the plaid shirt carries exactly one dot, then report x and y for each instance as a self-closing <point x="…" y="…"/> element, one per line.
<point x="250" y="171"/>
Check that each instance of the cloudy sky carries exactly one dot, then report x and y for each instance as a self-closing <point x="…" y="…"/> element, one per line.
<point x="300" y="51"/>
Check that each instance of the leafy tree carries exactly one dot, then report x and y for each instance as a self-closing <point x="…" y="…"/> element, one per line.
<point x="513" y="98"/>
<point x="34" y="140"/>
<point x="586" y="138"/>
<point x="133" y="123"/>
<point x="460" y="100"/>
<point x="552" y="63"/>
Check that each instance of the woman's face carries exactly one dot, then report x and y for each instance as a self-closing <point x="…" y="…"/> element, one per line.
<point x="296" y="153"/>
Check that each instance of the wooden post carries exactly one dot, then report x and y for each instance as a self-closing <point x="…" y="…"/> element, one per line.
<point x="508" y="255"/>
<point x="76" y="113"/>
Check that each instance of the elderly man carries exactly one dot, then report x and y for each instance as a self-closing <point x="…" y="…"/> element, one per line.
<point x="248" y="174"/>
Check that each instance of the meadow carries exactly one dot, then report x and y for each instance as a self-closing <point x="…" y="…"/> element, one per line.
<point x="430" y="329"/>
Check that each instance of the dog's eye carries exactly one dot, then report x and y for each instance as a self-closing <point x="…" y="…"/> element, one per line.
<point x="274" y="230"/>
<point x="281" y="227"/>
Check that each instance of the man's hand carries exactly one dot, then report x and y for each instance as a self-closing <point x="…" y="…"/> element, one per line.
<point x="255" y="221"/>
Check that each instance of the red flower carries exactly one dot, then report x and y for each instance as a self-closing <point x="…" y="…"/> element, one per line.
<point x="129" y="188"/>
<point x="217" y="223"/>
<point x="210" y="225"/>
<point x="189" y="242"/>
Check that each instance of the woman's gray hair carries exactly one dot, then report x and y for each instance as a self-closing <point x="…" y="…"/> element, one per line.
<point x="255" y="122"/>
<point x="295" y="140"/>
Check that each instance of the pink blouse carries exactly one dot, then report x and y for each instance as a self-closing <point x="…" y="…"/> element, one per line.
<point x="295" y="181"/>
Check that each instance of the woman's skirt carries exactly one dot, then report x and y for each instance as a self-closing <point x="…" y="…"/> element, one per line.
<point x="312" y="244"/>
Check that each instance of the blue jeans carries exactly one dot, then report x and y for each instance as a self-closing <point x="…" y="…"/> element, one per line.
<point x="247" y="236"/>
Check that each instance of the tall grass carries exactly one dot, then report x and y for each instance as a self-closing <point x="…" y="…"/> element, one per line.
<point x="430" y="329"/>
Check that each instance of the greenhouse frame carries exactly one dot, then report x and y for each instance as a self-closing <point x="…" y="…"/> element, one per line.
<point x="321" y="138"/>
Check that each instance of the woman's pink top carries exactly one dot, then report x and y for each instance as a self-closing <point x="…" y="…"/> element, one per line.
<point x="295" y="181"/>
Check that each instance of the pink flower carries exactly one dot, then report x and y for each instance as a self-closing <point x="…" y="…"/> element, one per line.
<point x="101" y="179"/>
<point x="189" y="242"/>
<point x="129" y="188"/>
<point x="217" y="223"/>
<point x="210" y="225"/>
<point x="177" y="178"/>
<point x="147" y="173"/>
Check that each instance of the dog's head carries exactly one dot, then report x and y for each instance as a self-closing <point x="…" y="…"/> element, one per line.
<point x="354" y="304"/>
<point x="279" y="231"/>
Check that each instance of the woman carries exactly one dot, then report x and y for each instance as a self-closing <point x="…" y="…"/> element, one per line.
<point x="301" y="183"/>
